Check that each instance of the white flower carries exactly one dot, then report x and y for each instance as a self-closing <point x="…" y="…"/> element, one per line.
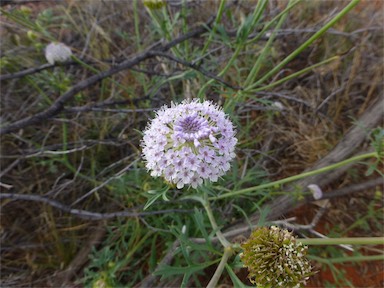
<point x="57" y="52"/>
<point x="316" y="191"/>
<point x="278" y="105"/>
<point x="189" y="143"/>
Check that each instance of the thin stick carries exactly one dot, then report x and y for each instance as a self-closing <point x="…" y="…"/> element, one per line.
<point x="346" y="240"/>
<point x="195" y="67"/>
<point x="84" y="214"/>
<point x="58" y="105"/>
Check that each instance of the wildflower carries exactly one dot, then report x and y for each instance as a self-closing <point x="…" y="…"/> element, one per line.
<point x="189" y="143"/>
<point x="154" y="4"/>
<point x="275" y="259"/>
<point x="316" y="191"/>
<point x="278" y="105"/>
<point x="57" y="52"/>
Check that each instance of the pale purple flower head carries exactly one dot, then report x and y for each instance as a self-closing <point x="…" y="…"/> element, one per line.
<point x="188" y="143"/>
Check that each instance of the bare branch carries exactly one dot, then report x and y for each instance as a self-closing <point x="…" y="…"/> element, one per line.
<point x="58" y="105"/>
<point x="56" y="149"/>
<point x="194" y="67"/>
<point x="84" y="214"/>
<point x="26" y="72"/>
<point x="33" y="70"/>
<point x="20" y="2"/>
<point x="353" y="188"/>
<point x="96" y="236"/>
<point x="116" y="176"/>
<point x="96" y="109"/>
<point x="149" y="280"/>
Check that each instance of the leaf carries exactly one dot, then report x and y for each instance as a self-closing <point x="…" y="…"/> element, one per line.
<point x="166" y="270"/>
<point x="151" y="200"/>
<point x="235" y="280"/>
<point x="156" y="194"/>
<point x="199" y="220"/>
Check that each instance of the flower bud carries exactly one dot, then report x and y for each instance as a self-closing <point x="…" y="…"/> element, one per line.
<point x="25" y="10"/>
<point x="32" y="36"/>
<point x="275" y="259"/>
<point x="154" y="4"/>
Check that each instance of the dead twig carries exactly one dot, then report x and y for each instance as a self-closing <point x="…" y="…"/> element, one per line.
<point x="84" y="214"/>
<point x="58" y="105"/>
<point x="26" y="72"/>
<point x="63" y="278"/>
<point x="352" y="189"/>
<point x="194" y="67"/>
<point x="116" y="176"/>
<point x="95" y="109"/>
<point x="33" y="70"/>
<point x="149" y="280"/>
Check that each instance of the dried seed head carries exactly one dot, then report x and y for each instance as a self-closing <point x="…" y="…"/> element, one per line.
<point x="275" y="259"/>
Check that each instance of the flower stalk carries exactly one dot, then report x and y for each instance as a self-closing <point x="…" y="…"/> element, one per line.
<point x="347" y="259"/>
<point x="296" y="177"/>
<point x="228" y="247"/>
<point x="228" y="251"/>
<point x="345" y="240"/>
<point x="219" y="235"/>
<point x="205" y="202"/>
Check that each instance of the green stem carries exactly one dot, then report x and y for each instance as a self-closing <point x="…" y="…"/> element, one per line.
<point x="162" y="26"/>
<point x="263" y="55"/>
<point x="292" y="76"/>
<point x="228" y="251"/>
<point x="222" y="72"/>
<point x="347" y="259"/>
<point x="85" y="65"/>
<point x="257" y="14"/>
<point x="217" y="20"/>
<point x="95" y="70"/>
<point x="268" y="25"/>
<point x="212" y="219"/>
<point x="346" y="240"/>
<point x="205" y="202"/>
<point x="314" y="37"/>
<point x="296" y="177"/>
<point x="136" y="21"/>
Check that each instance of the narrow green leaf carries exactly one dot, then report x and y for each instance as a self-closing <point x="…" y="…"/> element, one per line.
<point x="166" y="270"/>
<point x="235" y="280"/>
